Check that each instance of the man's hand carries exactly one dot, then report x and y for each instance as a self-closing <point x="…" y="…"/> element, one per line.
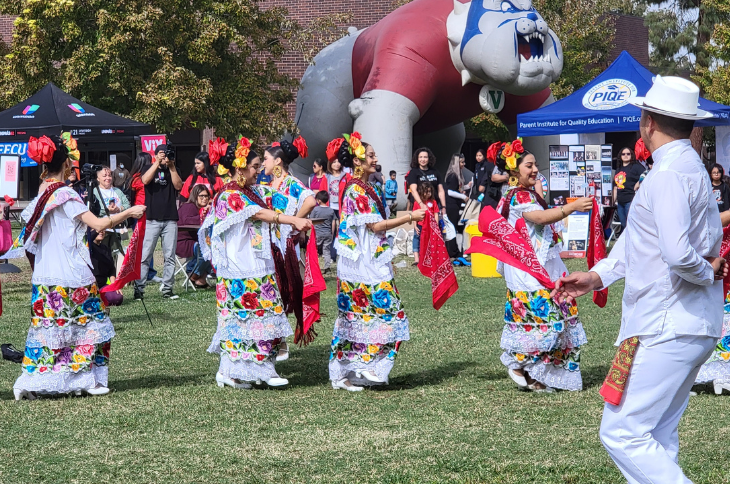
<point x="574" y="285"/>
<point x="719" y="267"/>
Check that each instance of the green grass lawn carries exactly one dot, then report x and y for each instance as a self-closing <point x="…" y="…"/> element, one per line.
<point x="450" y="413"/>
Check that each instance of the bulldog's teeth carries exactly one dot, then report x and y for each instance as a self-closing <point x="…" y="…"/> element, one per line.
<point x="522" y="58"/>
<point x="527" y="38"/>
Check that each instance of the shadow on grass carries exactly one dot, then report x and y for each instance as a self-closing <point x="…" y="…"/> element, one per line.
<point x="430" y="377"/>
<point x="157" y="381"/>
<point x="594" y="375"/>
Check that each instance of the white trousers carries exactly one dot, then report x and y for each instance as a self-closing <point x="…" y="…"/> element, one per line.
<point x="641" y="433"/>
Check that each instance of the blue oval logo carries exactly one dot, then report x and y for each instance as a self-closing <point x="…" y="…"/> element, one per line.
<point x="610" y="94"/>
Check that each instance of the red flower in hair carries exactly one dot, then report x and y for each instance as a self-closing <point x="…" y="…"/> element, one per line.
<point x="493" y="151"/>
<point x="216" y="149"/>
<point x="9" y="200"/>
<point x="517" y="146"/>
<point x="356" y="135"/>
<point x="642" y="154"/>
<point x="244" y="142"/>
<point x="333" y="147"/>
<point x="301" y="147"/>
<point x="41" y="149"/>
<point x="275" y="143"/>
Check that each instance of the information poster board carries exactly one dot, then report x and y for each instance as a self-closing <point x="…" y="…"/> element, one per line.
<point x="9" y="175"/>
<point x="580" y="170"/>
<point x="575" y="235"/>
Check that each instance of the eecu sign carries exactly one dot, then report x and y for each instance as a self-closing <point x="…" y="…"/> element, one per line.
<point x="18" y="148"/>
<point x="610" y="94"/>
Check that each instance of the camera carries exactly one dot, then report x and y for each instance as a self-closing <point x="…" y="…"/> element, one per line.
<point x="89" y="171"/>
<point x="170" y="152"/>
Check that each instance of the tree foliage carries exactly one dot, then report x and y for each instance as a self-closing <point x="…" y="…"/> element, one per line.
<point x="715" y="78"/>
<point x="173" y="64"/>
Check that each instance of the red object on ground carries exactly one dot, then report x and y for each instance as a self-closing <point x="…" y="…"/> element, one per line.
<point x="435" y="262"/>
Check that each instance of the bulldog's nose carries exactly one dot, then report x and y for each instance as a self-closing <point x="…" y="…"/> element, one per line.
<point x="532" y="16"/>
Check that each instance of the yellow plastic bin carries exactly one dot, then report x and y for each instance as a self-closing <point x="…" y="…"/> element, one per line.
<point x="481" y="265"/>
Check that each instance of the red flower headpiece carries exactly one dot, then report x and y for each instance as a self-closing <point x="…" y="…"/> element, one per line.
<point x="642" y="153"/>
<point x="493" y="151"/>
<point x="333" y="147"/>
<point x="41" y="149"/>
<point x="216" y="150"/>
<point x="301" y="145"/>
<point x="275" y="143"/>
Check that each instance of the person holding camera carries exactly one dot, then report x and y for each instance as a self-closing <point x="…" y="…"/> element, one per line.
<point x="161" y="184"/>
<point x="109" y="200"/>
<point x="67" y="349"/>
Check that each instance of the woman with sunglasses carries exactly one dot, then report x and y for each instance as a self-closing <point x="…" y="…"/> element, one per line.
<point x="625" y="179"/>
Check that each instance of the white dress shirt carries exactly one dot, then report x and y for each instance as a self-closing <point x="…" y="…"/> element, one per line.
<point x="673" y="225"/>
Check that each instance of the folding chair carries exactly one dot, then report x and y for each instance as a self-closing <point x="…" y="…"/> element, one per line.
<point x="181" y="268"/>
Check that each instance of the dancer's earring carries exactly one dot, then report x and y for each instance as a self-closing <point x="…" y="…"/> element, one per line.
<point x="277" y="172"/>
<point x="513" y="181"/>
<point x="358" y="172"/>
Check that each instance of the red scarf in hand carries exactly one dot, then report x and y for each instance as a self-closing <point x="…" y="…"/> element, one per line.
<point x="510" y="245"/>
<point x="596" y="251"/>
<point x="131" y="267"/>
<point x="313" y="285"/>
<point x="435" y="262"/>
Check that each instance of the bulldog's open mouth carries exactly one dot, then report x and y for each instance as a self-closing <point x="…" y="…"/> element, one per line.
<point x="531" y="48"/>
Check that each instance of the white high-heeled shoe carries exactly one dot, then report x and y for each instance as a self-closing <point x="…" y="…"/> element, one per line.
<point x="519" y="380"/>
<point x="344" y="384"/>
<point x="533" y="387"/>
<point x="720" y="385"/>
<point x="98" y="390"/>
<point x="21" y="394"/>
<point x="369" y="375"/>
<point x="277" y="382"/>
<point x="223" y="381"/>
<point x="283" y="353"/>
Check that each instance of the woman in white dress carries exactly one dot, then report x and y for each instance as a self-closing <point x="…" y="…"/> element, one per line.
<point x="67" y="349"/>
<point x="236" y="238"/>
<point x="541" y="340"/>
<point x="371" y="323"/>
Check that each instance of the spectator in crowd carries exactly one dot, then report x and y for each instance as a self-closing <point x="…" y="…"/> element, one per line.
<point x="427" y="202"/>
<point x="263" y="178"/>
<point x="499" y="179"/>
<point x="455" y="198"/>
<point x="78" y="185"/>
<point x="103" y="266"/>
<point x="326" y="229"/>
<point x="649" y="165"/>
<point x="391" y="192"/>
<point x="483" y="189"/>
<point x="377" y="177"/>
<point x="318" y="180"/>
<point x="109" y="200"/>
<point x="335" y="173"/>
<point x="203" y="174"/>
<point x="466" y="173"/>
<point x="719" y="188"/>
<point x="193" y="212"/>
<point x="422" y="171"/>
<point x="624" y="182"/>
<point x="161" y="182"/>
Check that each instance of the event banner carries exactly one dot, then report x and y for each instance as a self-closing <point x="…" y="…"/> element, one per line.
<point x="579" y="171"/>
<point x="152" y="141"/>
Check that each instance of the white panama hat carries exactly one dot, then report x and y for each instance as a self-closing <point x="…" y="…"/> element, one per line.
<point x="674" y="97"/>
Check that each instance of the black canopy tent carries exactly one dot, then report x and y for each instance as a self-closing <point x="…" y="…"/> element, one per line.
<point x="50" y="111"/>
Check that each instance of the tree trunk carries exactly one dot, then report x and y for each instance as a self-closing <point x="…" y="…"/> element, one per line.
<point x="696" y="138"/>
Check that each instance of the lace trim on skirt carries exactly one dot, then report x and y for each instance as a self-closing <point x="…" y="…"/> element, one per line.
<point x="49" y="383"/>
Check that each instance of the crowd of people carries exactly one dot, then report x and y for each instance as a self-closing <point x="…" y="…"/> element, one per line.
<point x="244" y="220"/>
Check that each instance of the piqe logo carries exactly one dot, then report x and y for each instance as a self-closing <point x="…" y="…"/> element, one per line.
<point x="610" y="94"/>
<point x="79" y="110"/>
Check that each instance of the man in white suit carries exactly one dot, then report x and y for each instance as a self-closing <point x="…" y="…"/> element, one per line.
<point x="672" y="302"/>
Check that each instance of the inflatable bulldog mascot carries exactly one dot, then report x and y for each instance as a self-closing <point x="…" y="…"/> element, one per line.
<point x="422" y="71"/>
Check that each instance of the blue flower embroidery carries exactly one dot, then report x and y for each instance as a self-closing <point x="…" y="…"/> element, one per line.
<point x="237" y="288"/>
<point x="33" y="353"/>
<point x="279" y="202"/>
<point x="91" y="305"/>
<point x="508" y="311"/>
<point x="295" y="190"/>
<point x="34" y="293"/>
<point x="243" y="314"/>
<point x="387" y="317"/>
<point x="381" y="299"/>
<point x="343" y="302"/>
<point x="572" y="366"/>
<point x="725" y="342"/>
<point x="540" y="307"/>
<point x="558" y="327"/>
<point x="99" y="360"/>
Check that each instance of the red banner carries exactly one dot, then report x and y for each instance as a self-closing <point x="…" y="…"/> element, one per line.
<point x="152" y="141"/>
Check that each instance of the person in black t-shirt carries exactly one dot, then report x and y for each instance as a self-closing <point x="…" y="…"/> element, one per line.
<point x="161" y="184"/>
<point x="422" y="171"/>
<point x="624" y="181"/>
<point x="720" y="190"/>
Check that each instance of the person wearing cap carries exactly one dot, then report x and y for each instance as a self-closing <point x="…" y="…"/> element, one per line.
<point x="161" y="184"/>
<point x="669" y="258"/>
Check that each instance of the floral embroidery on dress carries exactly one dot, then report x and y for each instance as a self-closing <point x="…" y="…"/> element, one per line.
<point x="535" y="311"/>
<point x="255" y="351"/>
<point x="356" y="204"/>
<point x="370" y="302"/>
<point x="243" y="298"/>
<point x="344" y="350"/>
<point x="566" y="358"/>
<point x="60" y="306"/>
<point x="71" y="359"/>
